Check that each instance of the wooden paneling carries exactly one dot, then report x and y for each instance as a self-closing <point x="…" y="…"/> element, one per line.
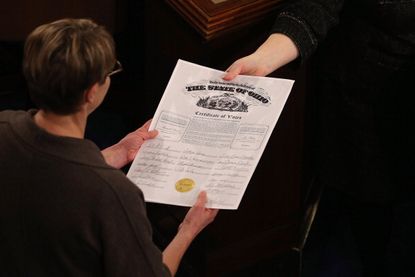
<point x="19" y="18"/>
<point x="215" y="18"/>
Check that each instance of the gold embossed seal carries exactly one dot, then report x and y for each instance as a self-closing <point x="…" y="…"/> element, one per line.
<point x="185" y="185"/>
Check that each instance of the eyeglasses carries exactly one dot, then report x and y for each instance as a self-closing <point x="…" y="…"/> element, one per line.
<point x="117" y="68"/>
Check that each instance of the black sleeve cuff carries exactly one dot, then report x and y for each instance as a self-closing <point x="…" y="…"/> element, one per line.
<point x="298" y="31"/>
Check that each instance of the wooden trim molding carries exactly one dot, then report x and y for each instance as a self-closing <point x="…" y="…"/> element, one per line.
<point x="212" y="18"/>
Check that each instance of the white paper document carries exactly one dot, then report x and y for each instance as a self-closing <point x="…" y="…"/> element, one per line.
<point x="212" y="134"/>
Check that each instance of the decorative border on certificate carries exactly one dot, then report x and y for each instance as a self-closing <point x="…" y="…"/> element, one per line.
<point x="212" y="134"/>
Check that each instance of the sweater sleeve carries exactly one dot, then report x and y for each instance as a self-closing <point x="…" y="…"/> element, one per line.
<point x="126" y="234"/>
<point x="307" y="22"/>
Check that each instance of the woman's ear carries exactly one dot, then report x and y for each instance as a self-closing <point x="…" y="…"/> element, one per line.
<point x="91" y="93"/>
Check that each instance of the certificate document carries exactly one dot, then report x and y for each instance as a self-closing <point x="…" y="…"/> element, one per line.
<point x="212" y="134"/>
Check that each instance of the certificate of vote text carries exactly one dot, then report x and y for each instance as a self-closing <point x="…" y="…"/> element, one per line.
<point x="212" y="134"/>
